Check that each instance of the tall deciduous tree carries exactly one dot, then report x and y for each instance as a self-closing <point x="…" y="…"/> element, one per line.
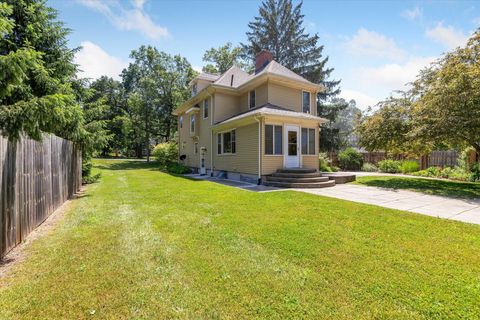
<point x="279" y="29"/>
<point x="447" y="105"/>
<point x="156" y="83"/>
<point x="223" y="58"/>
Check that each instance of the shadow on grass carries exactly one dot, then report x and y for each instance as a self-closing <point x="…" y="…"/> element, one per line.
<point x="125" y="165"/>
<point x="434" y="187"/>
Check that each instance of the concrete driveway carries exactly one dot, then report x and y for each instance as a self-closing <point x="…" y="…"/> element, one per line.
<point x="436" y="206"/>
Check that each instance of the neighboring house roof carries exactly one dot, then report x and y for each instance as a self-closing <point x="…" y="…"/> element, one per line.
<point x="271" y="110"/>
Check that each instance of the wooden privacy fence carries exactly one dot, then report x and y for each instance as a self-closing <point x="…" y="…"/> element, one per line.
<point x="36" y="178"/>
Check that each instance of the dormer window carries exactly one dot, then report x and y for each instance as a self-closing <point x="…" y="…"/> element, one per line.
<point x="306" y="102"/>
<point x="181" y="122"/>
<point x="194" y="89"/>
<point x="192" y="123"/>
<point x="251" y="99"/>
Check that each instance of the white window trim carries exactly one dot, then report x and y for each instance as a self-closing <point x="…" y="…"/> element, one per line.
<point x="264" y="147"/>
<point x="255" y="102"/>
<point x="221" y="143"/>
<point x="203" y="113"/>
<point x="309" y="101"/>
<point x="194" y="123"/>
<point x="308" y="142"/>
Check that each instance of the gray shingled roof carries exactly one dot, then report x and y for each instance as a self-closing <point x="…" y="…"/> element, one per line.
<point x="239" y="77"/>
<point x="273" y="110"/>
<point x="208" y="76"/>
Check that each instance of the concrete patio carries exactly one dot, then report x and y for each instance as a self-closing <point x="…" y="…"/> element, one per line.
<point x="436" y="206"/>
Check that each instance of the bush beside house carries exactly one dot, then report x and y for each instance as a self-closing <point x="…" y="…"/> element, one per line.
<point x="166" y="154"/>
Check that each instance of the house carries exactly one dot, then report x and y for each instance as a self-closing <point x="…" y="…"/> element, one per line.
<point x="247" y="126"/>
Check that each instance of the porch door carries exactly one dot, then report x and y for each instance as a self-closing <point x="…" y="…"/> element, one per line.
<point x="292" y="146"/>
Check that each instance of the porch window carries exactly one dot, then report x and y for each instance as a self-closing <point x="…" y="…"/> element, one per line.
<point x="205" y="108"/>
<point x="273" y="139"/>
<point x="226" y="142"/>
<point x="306" y="102"/>
<point x="192" y="123"/>
<point x="308" y="141"/>
<point x="251" y="99"/>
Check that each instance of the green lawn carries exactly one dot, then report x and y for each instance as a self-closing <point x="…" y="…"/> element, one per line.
<point x="142" y="244"/>
<point x="428" y="186"/>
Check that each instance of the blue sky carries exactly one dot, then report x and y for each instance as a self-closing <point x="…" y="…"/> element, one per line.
<point x="374" y="46"/>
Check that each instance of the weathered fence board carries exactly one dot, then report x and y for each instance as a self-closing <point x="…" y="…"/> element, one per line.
<point x="36" y="177"/>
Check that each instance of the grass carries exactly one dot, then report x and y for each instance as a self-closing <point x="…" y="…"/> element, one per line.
<point x="429" y="186"/>
<point x="142" y="244"/>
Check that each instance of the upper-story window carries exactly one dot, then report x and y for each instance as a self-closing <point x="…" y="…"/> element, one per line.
<point x="306" y="102"/>
<point x="206" y="106"/>
<point x="194" y="89"/>
<point x="192" y="123"/>
<point x="181" y="122"/>
<point x="251" y="99"/>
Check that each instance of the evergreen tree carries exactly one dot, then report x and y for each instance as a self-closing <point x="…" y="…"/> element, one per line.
<point x="279" y="29"/>
<point x="36" y="70"/>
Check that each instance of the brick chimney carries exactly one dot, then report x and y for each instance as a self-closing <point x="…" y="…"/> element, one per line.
<point x="262" y="59"/>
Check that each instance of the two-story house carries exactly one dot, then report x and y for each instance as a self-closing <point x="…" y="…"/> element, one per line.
<point x="247" y="126"/>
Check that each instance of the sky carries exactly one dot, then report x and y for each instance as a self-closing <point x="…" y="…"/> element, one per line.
<point x="375" y="47"/>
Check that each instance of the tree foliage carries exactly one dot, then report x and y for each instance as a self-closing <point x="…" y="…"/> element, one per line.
<point x="223" y="58"/>
<point x="155" y="83"/>
<point x="447" y="98"/>
<point x="36" y="68"/>
<point x="279" y="29"/>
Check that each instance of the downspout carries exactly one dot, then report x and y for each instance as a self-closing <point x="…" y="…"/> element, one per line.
<point x="211" y="135"/>
<point x="259" y="149"/>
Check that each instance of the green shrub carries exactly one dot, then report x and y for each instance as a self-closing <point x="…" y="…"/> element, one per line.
<point x="369" y="167"/>
<point x="475" y="175"/>
<point x="409" y="166"/>
<point x="177" y="168"/>
<point x="324" y="162"/>
<point x="91" y="179"/>
<point x="389" y="166"/>
<point x="350" y="159"/>
<point x="166" y="153"/>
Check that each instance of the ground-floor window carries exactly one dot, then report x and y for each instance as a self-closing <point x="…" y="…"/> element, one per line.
<point x="273" y="139"/>
<point x="308" y="141"/>
<point x="226" y="142"/>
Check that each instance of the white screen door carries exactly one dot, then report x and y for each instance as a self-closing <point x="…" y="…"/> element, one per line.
<point x="292" y="157"/>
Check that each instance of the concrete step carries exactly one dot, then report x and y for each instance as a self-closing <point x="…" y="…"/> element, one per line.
<point x="297" y="175"/>
<point x="325" y="184"/>
<point x="297" y="170"/>
<point x="296" y="179"/>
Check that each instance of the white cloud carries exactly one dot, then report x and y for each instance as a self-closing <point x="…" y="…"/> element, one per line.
<point x="94" y="62"/>
<point x="371" y="43"/>
<point x="415" y="13"/>
<point x="363" y="100"/>
<point x="133" y="18"/>
<point x="392" y="76"/>
<point x="448" y="36"/>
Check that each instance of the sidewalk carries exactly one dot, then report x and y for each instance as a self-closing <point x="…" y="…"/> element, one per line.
<point x="436" y="206"/>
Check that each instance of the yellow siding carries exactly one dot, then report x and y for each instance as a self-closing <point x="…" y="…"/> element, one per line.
<point x="226" y="106"/>
<point x="261" y="97"/>
<point x="246" y="158"/>
<point x="310" y="161"/>
<point x="289" y="98"/>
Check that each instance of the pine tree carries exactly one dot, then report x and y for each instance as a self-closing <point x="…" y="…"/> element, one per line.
<point x="279" y="29"/>
<point x="36" y="71"/>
